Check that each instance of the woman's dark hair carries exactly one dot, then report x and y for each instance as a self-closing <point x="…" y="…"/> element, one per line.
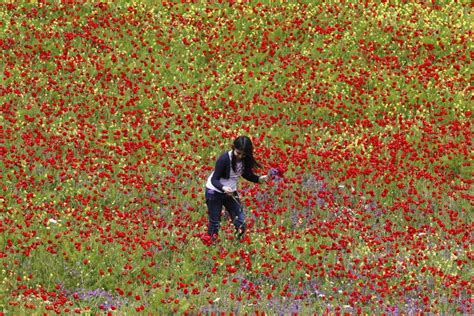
<point x="244" y="144"/>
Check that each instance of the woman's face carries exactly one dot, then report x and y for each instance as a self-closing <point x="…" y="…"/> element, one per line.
<point x="239" y="154"/>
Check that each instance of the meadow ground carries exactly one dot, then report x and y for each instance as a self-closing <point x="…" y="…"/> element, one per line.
<point x="112" y="116"/>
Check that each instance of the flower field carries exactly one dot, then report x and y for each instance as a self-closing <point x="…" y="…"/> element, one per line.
<point x="113" y="114"/>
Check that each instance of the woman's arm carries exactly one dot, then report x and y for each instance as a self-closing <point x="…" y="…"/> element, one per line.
<point x="219" y="172"/>
<point x="250" y="176"/>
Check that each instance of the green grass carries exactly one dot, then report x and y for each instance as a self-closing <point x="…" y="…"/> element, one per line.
<point x="114" y="114"/>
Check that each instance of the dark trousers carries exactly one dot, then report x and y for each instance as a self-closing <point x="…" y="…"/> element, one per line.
<point x="215" y="201"/>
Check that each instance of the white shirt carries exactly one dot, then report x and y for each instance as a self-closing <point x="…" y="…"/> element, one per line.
<point x="233" y="180"/>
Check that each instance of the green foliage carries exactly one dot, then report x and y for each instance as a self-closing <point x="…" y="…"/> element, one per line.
<point x="114" y="112"/>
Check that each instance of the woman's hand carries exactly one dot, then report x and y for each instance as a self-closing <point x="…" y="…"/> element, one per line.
<point x="228" y="190"/>
<point x="262" y="179"/>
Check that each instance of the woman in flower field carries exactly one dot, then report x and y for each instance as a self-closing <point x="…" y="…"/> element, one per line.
<point x="221" y="186"/>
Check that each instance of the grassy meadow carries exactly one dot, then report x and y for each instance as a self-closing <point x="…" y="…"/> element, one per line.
<point x="113" y="114"/>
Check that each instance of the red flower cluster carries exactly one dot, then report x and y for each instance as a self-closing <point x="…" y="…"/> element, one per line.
<point x="113" y="114"/>
<point x="277" y="171"/>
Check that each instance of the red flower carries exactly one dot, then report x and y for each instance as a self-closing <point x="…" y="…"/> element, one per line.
<point x="277" y="171"/>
